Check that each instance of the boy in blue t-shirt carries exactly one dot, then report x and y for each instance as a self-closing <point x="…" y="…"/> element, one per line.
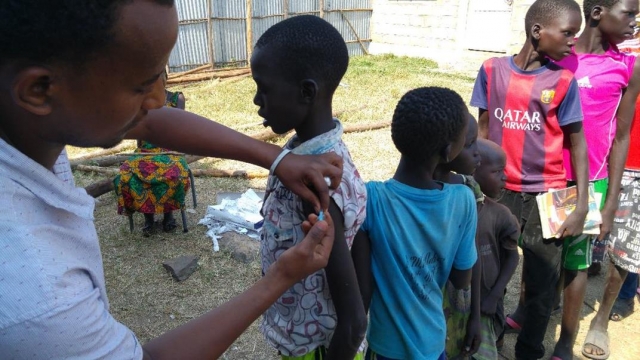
<point x="419" y="232"/>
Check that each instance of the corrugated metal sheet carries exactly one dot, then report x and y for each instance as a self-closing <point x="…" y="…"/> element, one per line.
<point x="304" y="6"/>
<point x="229" y="27"/>
<point x="265" y="15"/>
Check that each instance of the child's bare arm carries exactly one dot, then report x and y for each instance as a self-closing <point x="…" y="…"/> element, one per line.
<point x="507" y="269"/>
<point x="574" y="223"/>
<point x="361" y="255"/>
<point x="343" y="284"/>
<point x="483" y="124"/>
<point x="460" y="279"/>
<point x="619" y="149"/>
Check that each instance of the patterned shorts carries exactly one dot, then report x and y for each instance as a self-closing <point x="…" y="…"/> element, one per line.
<point x="624" y="247"/>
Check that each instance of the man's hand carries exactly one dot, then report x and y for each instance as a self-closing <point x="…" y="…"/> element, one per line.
<point x="310" y="255"/>
<point x="472" y="337"/>
<point x="574" y="224"/>
<point x="488" y="305"/>
<point x="304" y="176"/>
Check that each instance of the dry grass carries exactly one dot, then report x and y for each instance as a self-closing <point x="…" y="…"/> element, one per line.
<point x="142" y="294"/>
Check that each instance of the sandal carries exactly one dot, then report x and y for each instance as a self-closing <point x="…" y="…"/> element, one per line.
<point x="511" y="326"/>
<point x="621" y="309"/>
<point x="598" y="339"/>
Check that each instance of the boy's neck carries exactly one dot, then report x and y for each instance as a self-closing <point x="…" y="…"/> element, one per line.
<point x="529" y="58"/>
<point x="591" y="41"/>
<point x="445" y="175"/>
<point x="420" y="176"/>
<point x="319" y="121"/>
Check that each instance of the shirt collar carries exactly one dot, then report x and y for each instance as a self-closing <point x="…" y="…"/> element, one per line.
<point x="317" y="145"/>
<point x="43" y="183"/>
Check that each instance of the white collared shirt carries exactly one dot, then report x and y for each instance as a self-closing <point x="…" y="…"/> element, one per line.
<point x="53" y="300"/>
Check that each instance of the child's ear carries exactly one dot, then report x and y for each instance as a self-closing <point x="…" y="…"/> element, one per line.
<point x="308" y="90"/>
<point x="596" y="13"/>
<point x="31" y="90"/>
<point x="445" y="153"/>
<point x="535" y="31"/>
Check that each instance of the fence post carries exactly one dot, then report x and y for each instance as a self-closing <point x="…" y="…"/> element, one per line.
<point x="212" y="59"/>
<point x="321" y="8"/>
<point x="249" y="10"/>
<point x="286" y="8"/>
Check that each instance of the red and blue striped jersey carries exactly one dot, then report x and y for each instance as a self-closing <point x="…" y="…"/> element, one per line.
<point x="527" y="110"/>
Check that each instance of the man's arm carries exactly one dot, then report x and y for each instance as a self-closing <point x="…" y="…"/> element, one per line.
<point x="619" y="150"/>
<point x="574" y="223"/>
<point x="345" y="293"/>
<point x="192" y="134"/>
<point x="208" y="336"/>
<point x="483" y="124"/>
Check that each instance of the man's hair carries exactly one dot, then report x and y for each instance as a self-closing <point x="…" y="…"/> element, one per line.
<point x="46" y="31"/>
<point x="426" y="120"/>
<point x="307" y="47"/>
<point x="588" y="5"/>
<point x="545" y="11"/>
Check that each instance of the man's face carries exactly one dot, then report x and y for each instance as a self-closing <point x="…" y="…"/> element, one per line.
<point x="618" y="22"/>
<point x="557" y="37"/>
<point x="97" y="105"/>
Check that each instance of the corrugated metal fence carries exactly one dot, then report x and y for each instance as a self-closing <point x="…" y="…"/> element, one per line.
<point x="223" y="32"/>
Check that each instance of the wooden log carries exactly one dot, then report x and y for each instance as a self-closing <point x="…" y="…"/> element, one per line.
<point x="192" y="71"/>
<point x="100" y="188"/>
<point x="98" y="169"/>
<point x="111" y="151"/>
<point x="209" y="75"/>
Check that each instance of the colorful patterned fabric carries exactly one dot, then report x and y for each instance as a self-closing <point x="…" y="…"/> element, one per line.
<point x="304" y="317"/>
<point x="153" y="181"/>
<point x="457" y="308"/>
<point x="526" y="112"/>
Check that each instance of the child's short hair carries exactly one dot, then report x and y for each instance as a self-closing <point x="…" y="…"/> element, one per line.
<point x="426" y="120"/>
<point x="588" y="5"/>
<point x="307" y="47"/>
<point x="45" y="31"/>
<point x="545" y="11"/>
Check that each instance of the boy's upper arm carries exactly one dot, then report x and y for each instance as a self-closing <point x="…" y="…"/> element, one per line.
<point x="479" y="97"/>
<point x="340" y="270"/>
<point x="570" y="109"/>
<point x="466" y="254"/>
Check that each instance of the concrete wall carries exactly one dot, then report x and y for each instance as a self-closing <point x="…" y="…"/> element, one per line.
<point x="436" y="29"/>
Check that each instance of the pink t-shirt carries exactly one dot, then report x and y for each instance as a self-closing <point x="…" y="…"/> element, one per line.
<point x="601" y="80"/>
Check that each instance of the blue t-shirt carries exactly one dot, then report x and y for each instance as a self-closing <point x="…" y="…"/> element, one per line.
<point x="417" y="236"/>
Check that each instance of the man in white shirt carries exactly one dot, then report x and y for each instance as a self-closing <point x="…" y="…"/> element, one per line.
<point x="87" y="73"/>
